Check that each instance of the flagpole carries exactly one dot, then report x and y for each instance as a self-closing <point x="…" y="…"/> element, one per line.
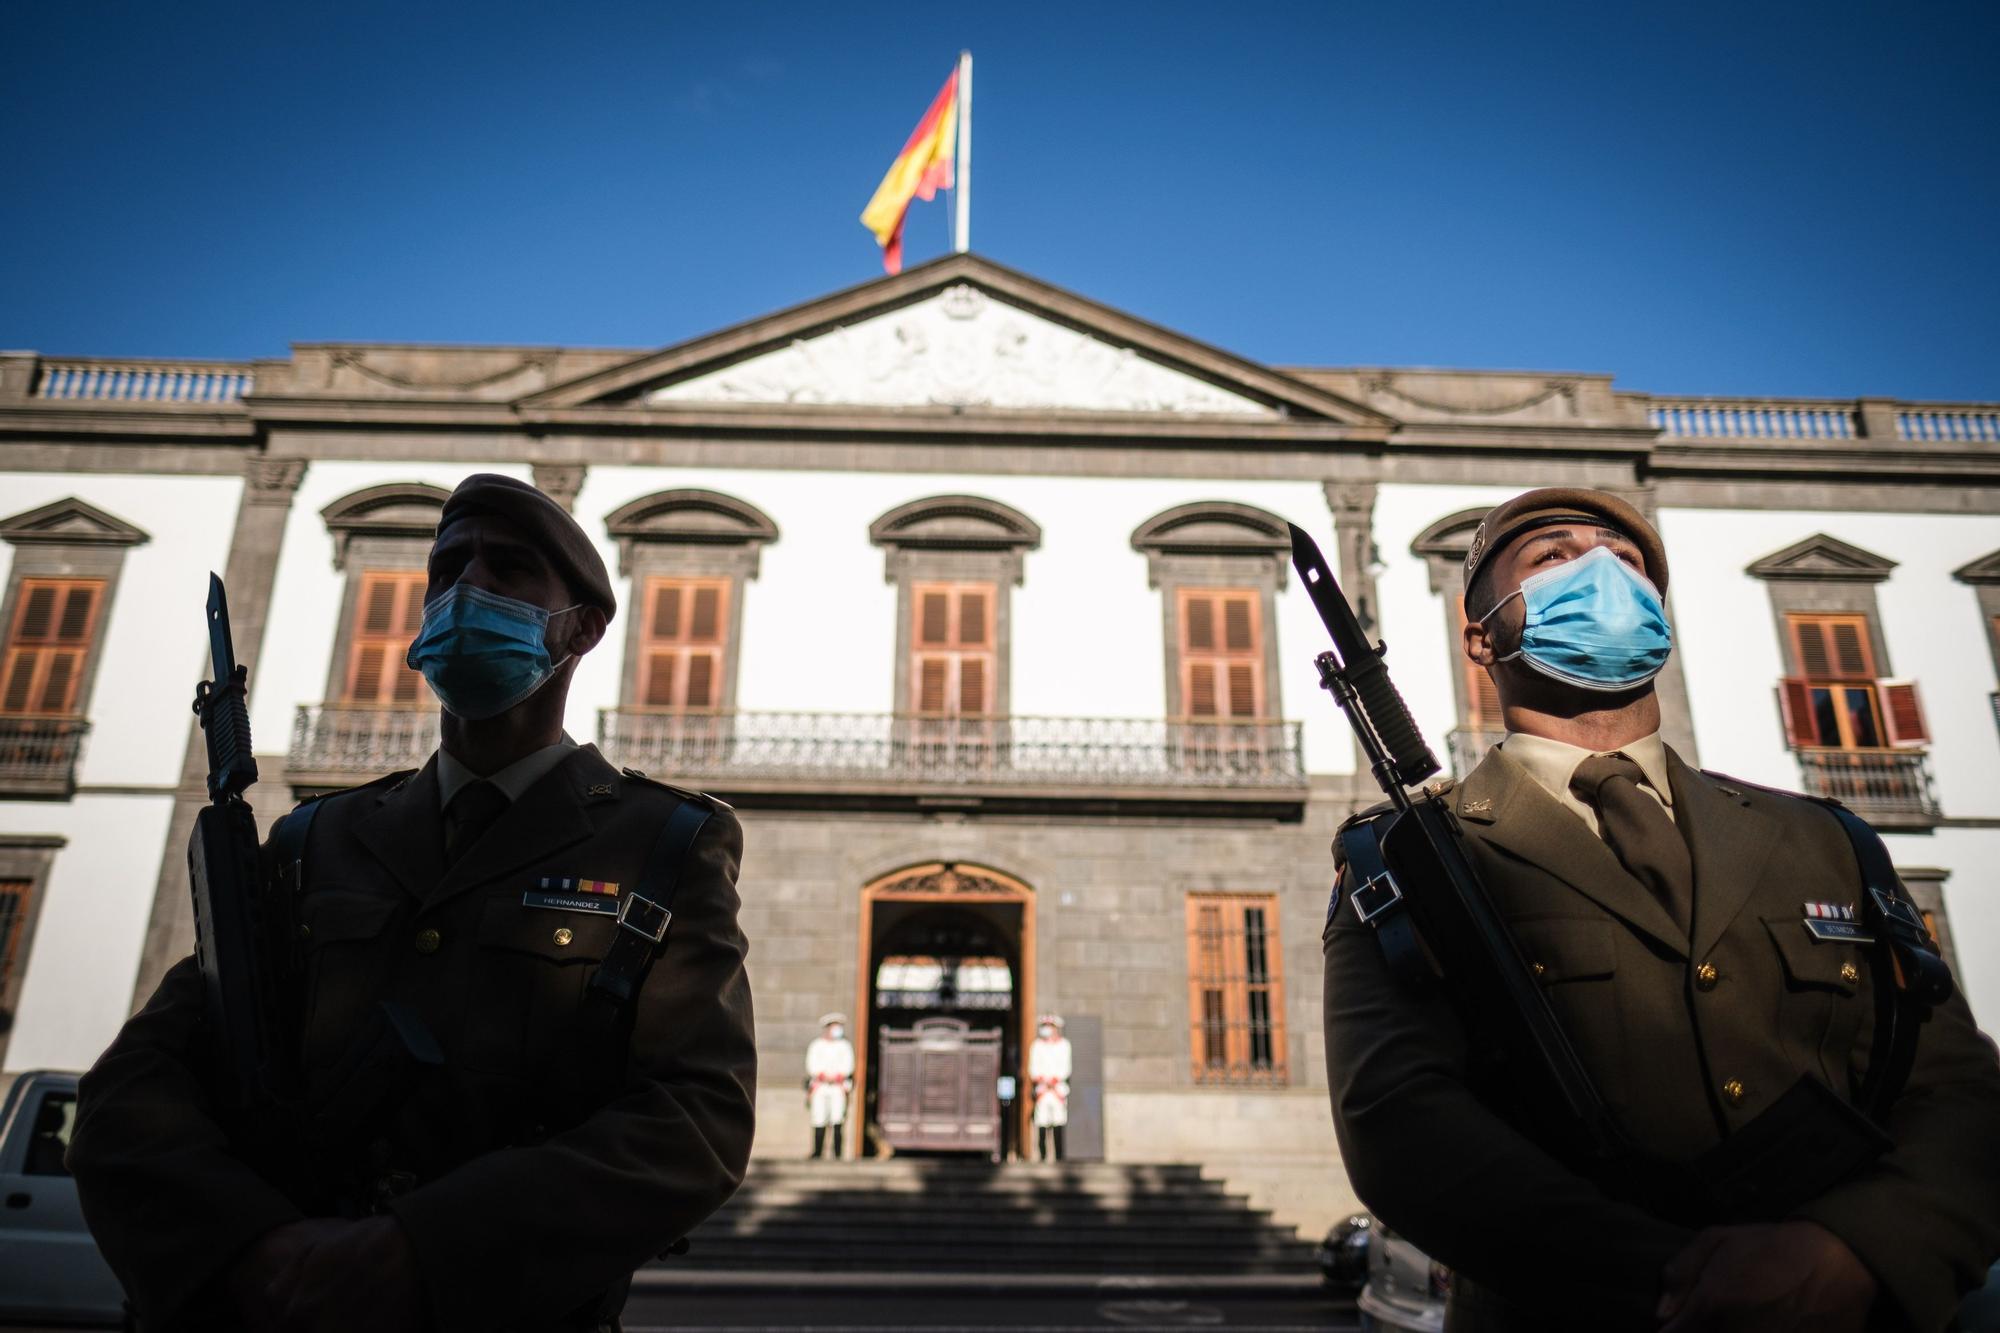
<point x="962" y="231"/>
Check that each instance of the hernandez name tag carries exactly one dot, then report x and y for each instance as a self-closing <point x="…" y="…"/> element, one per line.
<point x="570" y="902"/>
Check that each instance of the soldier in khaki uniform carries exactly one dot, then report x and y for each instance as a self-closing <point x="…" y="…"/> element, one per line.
<point x="524" y="1179"/>
<point x="1662" y="909"/>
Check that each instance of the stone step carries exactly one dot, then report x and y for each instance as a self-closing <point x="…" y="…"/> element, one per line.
<point x="887" y="1230"/>
<point x="1033" y="1212"/>
<point x="1013" y="1198"/>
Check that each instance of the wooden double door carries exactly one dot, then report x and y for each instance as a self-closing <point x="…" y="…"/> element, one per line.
<point x="938" y="1087"/>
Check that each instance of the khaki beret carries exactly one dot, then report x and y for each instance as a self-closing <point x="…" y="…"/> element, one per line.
<point x="1564" y="504"/>
<point x="544" y="523"/>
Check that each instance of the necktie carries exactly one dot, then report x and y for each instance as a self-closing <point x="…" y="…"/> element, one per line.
<point x="469" y="815"/>
<point x="1639" y="831"/>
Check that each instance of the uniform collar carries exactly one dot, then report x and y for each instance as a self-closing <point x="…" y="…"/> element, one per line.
<point x="513" y="780"/>
<point x="1552" y="763"/>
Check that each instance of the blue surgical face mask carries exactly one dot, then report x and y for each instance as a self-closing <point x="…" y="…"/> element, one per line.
<point x="1593" y="622"/>
<point x="483" y="653"/>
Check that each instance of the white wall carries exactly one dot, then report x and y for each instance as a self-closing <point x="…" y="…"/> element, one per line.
<point x="155" y="646"/>
<point x="96" y="904"/>
<point x="154" y="649"/>
<point x="819" y="627"/>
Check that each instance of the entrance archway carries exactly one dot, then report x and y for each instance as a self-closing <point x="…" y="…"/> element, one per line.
<point x="945" y="940"/>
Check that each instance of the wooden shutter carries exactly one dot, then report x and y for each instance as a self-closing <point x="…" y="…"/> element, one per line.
<point x="1795" y="706"/>
<point x="953" y="653"/>
<point x="15" y="896"/>
<point x="1222" y="653"/>
<point x="1236" y="993"/>
<point x="55" y="621"/>
<point x="683" y="638"/>
<point x="1831" y="647"/>
<point x="1903" y="713"/>
<point x="387" y="616"/>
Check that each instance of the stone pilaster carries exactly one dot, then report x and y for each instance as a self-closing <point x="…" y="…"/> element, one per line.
<point x="269" y="484"/>
<point x="559" y="481"/>
<point x="1353" y="507"/>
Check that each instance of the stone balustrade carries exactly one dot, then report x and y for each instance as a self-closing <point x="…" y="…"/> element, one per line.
<point x="97" y="380"/>
<point x="1948" y="423"/>
<point x="717" y="748"/>
<point x="1752" y="419"/>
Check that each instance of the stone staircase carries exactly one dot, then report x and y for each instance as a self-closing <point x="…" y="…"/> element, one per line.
<point x="937" y="1216"/>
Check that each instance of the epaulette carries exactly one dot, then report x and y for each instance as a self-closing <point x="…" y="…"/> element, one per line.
<point x="685" y="793"/>
<point x="391" y="780"/>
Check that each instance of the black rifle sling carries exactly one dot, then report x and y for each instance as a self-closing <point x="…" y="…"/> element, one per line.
<point x="288" y="845"/>
<point x="1910" y="978"/>
<point x="1378" y="903"/>
<point x="604" y="1018"/>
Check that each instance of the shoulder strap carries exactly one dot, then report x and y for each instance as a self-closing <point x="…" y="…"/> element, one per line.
<point x="595" y="1058"/>
<point x="1911" y="978"/>
<point x="1378" y="903"/>
<point x="288" y="844"/>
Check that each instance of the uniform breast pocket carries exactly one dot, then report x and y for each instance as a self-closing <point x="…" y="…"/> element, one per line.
<point x="345" y="968"/>
<point x="1821" y="1010"/>
<point x="1576" y="961"/>
<point x="527" y="981"/>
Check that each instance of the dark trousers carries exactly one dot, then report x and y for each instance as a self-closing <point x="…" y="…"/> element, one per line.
<point x="1043" y="1134"/>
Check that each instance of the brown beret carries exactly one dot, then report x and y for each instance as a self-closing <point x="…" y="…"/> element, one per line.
<point x="544" y="523"/>
<point x="1565" y="504"/>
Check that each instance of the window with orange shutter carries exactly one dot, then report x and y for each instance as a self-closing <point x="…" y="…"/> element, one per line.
<point x="1236" y="991"/>
<point x="952" y="649"/>
<point x="684" y="637"/>
<point x="389" y="611"/>
<point x="15" y="896"/>
<point x="1837" y="700"/>
<point x="1222" y="654"/>
<point x="48" y="645"/>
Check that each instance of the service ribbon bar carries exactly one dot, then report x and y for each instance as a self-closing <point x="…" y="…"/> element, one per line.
<point x="603" y="886"/>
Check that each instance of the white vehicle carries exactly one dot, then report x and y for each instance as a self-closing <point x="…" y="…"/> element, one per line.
<point x="1406" y="1288"/>
<point x="50" y="1270"/>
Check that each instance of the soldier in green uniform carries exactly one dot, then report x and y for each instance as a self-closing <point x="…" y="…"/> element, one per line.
<point x="564" y="1139"/>
<point x="1664" y="911"/>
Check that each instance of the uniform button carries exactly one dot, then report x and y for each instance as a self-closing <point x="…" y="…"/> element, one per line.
<point x="305" y="931"/>
<point x="1540" y="968"/>
<point x="428" y="940"/>
<point x="1849" y="973"/>
<point x="563" y="936"/>
<point x="1706" y="976"/>
<point x="1732" y="1092"/>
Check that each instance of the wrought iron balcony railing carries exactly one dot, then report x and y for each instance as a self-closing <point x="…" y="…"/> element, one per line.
<point x="715" y="748"/>
<point x="1466" y="746"/>
<point x="338" y="744"/>
<point x="1888" y="785"/>
<point x="38" y="754"/>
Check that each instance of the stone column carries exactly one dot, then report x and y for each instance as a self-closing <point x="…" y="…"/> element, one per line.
<point x="559" y="481"/>
<point x="268" y="487"/>
<point x="1353" y="506"/>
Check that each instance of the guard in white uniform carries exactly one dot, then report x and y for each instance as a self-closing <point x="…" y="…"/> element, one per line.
<point x="829" y="1080"/>
<point x="1048" y="1073"/>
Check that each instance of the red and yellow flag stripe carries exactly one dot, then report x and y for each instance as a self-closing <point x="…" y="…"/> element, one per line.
<point x="919" y="172"/>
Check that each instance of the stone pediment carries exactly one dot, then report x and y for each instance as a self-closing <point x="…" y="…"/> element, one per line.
<point x="963" y="335"/>
<point x="1820" y="557"/>
<point x="1986" y="569"/>
<point x="70" y="522"/>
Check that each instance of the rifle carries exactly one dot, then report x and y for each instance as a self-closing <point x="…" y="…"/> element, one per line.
<point x="242" y="923"/>
<point x="1421" y="870"/>
<point x="1414" y="872"/>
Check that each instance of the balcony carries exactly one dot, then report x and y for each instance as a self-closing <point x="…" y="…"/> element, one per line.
<point x="1466" y="746"/>
<point x="883" y="760"/>
<point x="340" y="745"/>
<point x="1887" y="787"/>
<point x="38" y="755"/>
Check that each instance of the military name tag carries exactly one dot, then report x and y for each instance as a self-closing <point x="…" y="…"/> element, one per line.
<point x="571" y="902"/>
<point x="1843" y="932"/>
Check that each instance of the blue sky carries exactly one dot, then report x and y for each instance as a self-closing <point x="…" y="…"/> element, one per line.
<point x="1731" y="198"/>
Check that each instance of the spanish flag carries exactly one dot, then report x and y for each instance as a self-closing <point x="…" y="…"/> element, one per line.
<point x="919" y="172"/>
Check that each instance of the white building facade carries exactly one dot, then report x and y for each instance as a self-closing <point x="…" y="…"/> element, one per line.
<point x="972" y="596"/>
